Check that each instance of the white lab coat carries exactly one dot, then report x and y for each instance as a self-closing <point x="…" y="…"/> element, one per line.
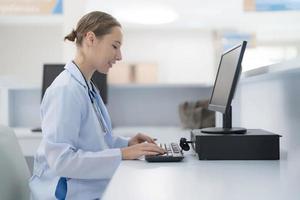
<point x="74" y="144"/>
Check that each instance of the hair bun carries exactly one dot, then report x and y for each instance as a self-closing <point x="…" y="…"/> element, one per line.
<point x="74" y="33"/>
<point x="71" y="36"/>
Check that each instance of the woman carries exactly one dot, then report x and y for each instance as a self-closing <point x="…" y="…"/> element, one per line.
<point x="78" y="154"/>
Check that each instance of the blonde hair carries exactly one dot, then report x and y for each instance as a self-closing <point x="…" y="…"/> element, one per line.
<point x="100" y="23"/>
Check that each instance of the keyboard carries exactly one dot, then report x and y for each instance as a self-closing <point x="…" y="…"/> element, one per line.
<point x="173" y="154"/>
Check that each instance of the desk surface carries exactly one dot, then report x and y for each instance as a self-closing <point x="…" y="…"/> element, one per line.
<point x="195" y="179"/>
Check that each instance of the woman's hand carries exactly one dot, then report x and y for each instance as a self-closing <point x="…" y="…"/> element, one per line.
<point x="140" y="138"/>
<point x="137" y="150"/>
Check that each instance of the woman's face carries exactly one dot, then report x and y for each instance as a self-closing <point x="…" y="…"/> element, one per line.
<point x="106" y="50"/>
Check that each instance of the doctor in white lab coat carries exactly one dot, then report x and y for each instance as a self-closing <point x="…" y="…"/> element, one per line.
<point x="79" y="154"/>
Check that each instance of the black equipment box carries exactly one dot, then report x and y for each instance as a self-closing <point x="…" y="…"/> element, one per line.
<point x="256" y="144"/>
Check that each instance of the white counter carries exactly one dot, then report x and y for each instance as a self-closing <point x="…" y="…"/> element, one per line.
<point x="193" y="179"/>
<point x="29" y="141"/>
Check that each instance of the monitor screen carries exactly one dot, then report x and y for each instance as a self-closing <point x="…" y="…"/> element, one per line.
<point x="51" y="71"/>
<point x="227" y="78"/>
<point x="100" y="80"/>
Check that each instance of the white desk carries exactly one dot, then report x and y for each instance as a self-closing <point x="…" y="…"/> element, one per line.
<point x="193" y="179"/>
<point x="29" y="141"/>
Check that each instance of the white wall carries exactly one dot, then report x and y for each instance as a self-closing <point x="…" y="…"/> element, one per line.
<point x="183" y="56"/>
<point x="73" y="11"/>
<point x="25" y="47"/>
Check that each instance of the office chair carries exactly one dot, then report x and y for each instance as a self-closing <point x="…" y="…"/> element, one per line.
<point x="14" y="171"/>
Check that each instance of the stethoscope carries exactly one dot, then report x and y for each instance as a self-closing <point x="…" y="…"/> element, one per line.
<point x="92" y="95"/>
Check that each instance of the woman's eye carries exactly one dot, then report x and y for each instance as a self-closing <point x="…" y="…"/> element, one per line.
<point x="115" y="47"/>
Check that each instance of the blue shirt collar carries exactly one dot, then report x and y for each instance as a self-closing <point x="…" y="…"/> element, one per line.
<point x="76" y="74"/>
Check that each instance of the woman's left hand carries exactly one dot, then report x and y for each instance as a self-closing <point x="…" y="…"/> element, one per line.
<point x="140" y="138"/>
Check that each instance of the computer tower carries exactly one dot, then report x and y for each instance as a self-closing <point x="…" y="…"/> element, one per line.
<point x="256" y="144"/>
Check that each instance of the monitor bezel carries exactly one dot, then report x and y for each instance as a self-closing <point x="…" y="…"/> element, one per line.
<point x="238" y="70"/>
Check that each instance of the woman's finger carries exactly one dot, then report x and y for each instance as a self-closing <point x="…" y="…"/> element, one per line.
<point x="153" y="148"/>
<point x="146" y="138"/>
<point x="150" y="153"/>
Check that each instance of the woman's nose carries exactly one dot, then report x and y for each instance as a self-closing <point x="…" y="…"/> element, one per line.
<point x="119" y="55"/>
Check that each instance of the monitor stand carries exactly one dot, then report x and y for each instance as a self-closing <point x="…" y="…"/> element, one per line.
<point x="227" y="126"/>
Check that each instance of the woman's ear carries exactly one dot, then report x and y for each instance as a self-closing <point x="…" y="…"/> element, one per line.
<point x="90" y="38"/>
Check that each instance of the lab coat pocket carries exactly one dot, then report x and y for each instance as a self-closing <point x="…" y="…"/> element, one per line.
<point x="37" y="172"/>
<point x="34" y="183"/>
<point x="33" y="177"/>
<point x="42" y="186"/>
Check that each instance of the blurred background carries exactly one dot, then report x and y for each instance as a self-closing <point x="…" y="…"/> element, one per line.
<point x="165" y="41"/>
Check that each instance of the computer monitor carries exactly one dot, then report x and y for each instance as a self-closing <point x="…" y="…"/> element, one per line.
<point x="224" y="88"/>
<point x="51" y="71"/>
<point x="100" y="80"/>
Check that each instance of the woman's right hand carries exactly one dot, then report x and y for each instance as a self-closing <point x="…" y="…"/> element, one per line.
<point x="141" y="149"/>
